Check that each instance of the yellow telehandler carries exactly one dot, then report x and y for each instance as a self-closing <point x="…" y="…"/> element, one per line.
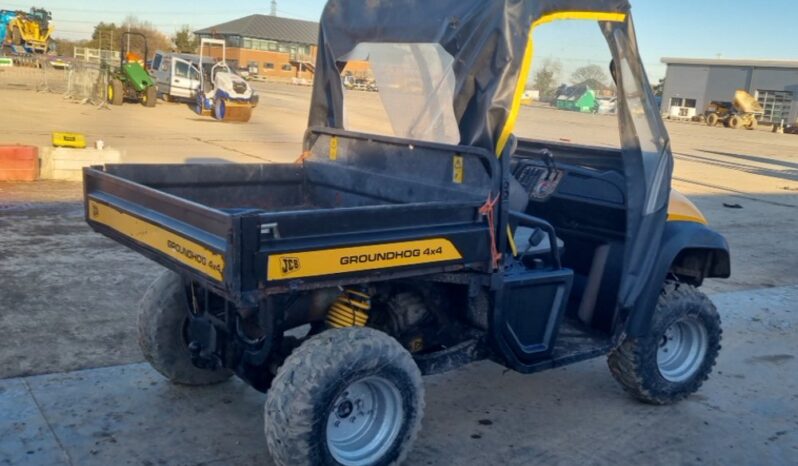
<point x="32" y="30"/>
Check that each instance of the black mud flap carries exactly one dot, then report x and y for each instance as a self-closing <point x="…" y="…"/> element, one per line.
<point x="527" y="313"/>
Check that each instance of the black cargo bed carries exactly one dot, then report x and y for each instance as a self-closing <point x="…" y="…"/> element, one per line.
<point x="250" y="230"/>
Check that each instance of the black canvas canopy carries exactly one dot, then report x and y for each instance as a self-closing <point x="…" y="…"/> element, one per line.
<point x="490" y="42"/>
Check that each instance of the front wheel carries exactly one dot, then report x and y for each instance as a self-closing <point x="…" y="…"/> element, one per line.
<point x="16" y="36"/>
<point x="116" y="92"/>
<point x="350" y="396"/>
<point x="162" y="324"/>
<point x="677" y="356"/>
<point x="219" y="108"/>
<point x="149" y="97"/>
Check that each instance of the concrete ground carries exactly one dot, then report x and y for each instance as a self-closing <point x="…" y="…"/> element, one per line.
<point x="68" y="302"/>
<point x="482" y="414"/>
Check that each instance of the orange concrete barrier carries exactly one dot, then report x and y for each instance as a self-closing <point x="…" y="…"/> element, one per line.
<point x="19" y="163"/>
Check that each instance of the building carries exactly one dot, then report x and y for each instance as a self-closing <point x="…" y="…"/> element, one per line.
<point x="579" y="98"/>
<point x="269" y="46"/>
<point x="693" y="83"/>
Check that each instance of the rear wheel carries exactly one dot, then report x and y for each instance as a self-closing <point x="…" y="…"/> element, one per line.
<point x="162" y="325"/>
<point x="16" y="36"/>
<point x="350" y="396"/>
<point x="735" y="122"/>
<point x="149" y="97"/>
<point x="712" y="119"/>
<point x="677" y="356"/>
<point x="219" y="108"/>
<point x="116" y="92"/>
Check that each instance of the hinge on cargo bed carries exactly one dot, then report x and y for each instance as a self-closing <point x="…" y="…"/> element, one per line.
<point x="269" y="231"/>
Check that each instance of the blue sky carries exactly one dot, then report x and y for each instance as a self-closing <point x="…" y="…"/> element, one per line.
<point x="684" y="28"/>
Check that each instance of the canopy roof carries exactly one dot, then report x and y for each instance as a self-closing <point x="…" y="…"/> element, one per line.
<point x="488" y="40"/>
<point x="487" y="46"/>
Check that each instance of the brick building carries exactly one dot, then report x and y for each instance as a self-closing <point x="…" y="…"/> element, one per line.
<point x="270" y="46"/>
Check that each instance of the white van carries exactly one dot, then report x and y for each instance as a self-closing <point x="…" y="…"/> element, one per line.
<point x="176" y="75"/>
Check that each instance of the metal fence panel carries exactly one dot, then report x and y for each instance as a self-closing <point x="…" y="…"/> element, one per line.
<point x="86" y="82"/>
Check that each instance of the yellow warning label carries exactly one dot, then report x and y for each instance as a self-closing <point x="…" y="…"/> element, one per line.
<point x="457" y="169"/>
<point x="360" y="258"/>
<point x="187" y="252"/>
<point x="334" y="148"/>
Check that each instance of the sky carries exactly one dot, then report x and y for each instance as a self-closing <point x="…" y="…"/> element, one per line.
<point x="665" y="28"/>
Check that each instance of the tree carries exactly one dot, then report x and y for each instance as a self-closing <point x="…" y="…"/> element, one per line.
<point x="185" y="41"/>
<point x="547" y="77"/>
<point x="66" y="47"/>
<point x="659" y="87"/>
<point x="156" y="40"/>
<point x="105" y="36"/>
<point x="592" y="75"/>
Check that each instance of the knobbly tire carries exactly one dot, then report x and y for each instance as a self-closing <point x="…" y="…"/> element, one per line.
<point x="16" y="36"/>
<point x="332" y="384"/>
<point x="650" y="374"/>
<point x="163" y="312"/>
<point x="116" y="92"/>
<point x="150" y="97"/>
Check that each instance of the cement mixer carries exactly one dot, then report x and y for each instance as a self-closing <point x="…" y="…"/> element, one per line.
<point x="744" y="112"/>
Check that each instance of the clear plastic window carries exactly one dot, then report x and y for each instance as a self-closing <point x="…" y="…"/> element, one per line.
<point x="415" y="87"/>
<point x="570" y="93"/>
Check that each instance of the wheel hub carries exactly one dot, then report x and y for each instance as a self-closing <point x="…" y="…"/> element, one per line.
<point x="682" y="349"/>
<point x="364" y="421"/>
<point x="344" y="409"/>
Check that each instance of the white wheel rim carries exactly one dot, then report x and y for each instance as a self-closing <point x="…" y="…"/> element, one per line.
<point x="682" y="349"/>
<point x="364" y="421"/>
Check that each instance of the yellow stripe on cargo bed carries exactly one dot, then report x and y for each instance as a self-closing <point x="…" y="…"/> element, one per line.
<point x="186" y="252"/>
<point x="359" y="258"/>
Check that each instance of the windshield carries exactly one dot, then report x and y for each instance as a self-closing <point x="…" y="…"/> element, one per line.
<point x="416" y="88"/>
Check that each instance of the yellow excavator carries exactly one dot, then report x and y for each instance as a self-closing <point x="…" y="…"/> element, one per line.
<point x="31" y="31"/>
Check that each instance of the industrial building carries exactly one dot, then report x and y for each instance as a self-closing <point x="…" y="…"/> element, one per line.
<point x="269" y="45"/>
<point x="691" y="84"/>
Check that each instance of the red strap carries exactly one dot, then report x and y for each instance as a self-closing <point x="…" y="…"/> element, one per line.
<point x="488" y="210"/>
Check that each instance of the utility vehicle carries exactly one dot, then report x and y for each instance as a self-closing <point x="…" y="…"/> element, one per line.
<point x="177" y="75"/>
<point x="333" y="284"/>
<point x="131" y="80"/>
<point x="222" y="93"/>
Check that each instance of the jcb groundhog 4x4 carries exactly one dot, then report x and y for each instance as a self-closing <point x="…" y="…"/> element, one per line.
<point x="335" y="283"/>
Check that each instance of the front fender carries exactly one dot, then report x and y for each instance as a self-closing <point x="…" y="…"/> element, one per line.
<point x="708" y="252"/>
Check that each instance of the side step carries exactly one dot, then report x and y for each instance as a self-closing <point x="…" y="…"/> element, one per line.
<point x="575" y="343"/>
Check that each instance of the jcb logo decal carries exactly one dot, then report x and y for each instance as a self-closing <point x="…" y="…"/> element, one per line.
<point x="293" y="265"/>
<point x="289" y="264"/>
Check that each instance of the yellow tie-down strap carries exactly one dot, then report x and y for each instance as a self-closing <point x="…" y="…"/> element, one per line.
<point x="185" y="251"/>
<point x="526" y="66"/>
<point x="360" y="258"/>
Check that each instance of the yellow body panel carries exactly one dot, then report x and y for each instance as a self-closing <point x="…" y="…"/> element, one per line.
<point x="30" y="31"/>
<point x="359" y="258"/>
<point x="680" y="209"/>
<point x="527" y="63"/>
<point x="186" y="252"/>
<point x="75" y="140"/>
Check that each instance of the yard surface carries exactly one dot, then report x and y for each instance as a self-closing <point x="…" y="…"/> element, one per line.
<point x="68" y="302"/>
